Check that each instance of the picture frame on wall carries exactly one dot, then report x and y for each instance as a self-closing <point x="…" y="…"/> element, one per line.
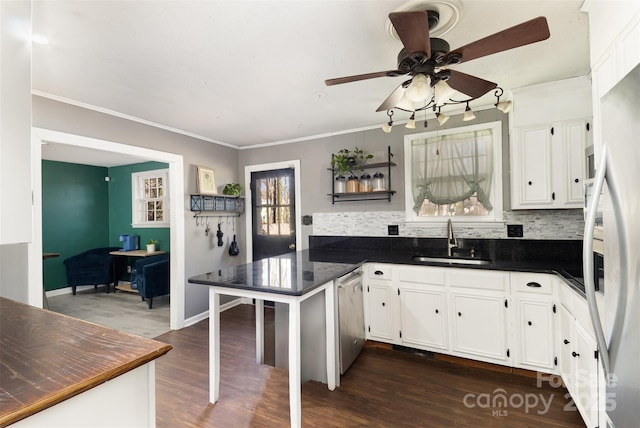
<point x="206" y="181"/>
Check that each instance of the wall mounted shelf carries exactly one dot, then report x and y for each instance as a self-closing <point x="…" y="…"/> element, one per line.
<point x="216" y="205"/>
<point x="365" y="196"/>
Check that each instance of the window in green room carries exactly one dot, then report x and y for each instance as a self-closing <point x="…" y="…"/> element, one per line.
<point x="150" y="204"/>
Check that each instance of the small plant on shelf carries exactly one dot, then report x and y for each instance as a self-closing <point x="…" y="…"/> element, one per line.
<point x="233" y="189"/>
<point x="348" y="161"/>
<point x="151" y="246"/>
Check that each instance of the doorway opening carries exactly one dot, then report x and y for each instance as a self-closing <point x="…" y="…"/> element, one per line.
<point x="176" y="192"/>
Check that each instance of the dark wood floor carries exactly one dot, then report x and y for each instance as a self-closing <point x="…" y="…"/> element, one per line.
<point x="384" y="388"/>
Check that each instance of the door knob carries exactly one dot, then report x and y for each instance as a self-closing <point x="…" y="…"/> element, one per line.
<point x="292" y="246"/>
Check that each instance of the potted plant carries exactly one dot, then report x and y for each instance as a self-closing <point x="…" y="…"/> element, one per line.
<point x="233" y="189"/>
<point x="151" y="246"/>
<point x="348" y="161"/>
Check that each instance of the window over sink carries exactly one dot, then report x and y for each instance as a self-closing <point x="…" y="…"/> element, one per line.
<point x="454" y="173"/>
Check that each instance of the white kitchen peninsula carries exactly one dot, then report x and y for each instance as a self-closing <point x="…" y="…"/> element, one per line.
<point x="290" y="279"/>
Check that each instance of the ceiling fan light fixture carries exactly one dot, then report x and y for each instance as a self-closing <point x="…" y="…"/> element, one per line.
<point x="386" y="128"/>
<point x="405" y="103"/>
<point x="443" y="92"/>
<point x="442" y="118"/>
<point x="411" y="124"/>
<point x="419" y="89"/>
<point x="504" y="106"/>
<point x="468" y="114"/>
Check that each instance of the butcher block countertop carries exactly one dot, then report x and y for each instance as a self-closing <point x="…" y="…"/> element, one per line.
<point x="46" y="358"/>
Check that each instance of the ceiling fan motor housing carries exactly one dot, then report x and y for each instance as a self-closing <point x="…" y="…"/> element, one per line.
<point x="408" y="62"/>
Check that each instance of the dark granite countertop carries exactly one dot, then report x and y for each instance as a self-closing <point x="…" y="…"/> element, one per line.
<point x="331" y="257"/>
<point x="562" y="257"/>
<point x="293" y="274"/>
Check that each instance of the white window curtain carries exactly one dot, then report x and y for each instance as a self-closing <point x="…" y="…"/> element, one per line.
<point x="450" y="168"/>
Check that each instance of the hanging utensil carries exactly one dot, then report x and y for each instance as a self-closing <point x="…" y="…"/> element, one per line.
<point x="233" y="248"/>
<point x="219" y="234"/>
<point x="208" y="229"/>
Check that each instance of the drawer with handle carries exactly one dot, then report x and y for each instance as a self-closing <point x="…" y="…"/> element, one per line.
<point x="537" y="283"/>
<point x="379" y="271"/>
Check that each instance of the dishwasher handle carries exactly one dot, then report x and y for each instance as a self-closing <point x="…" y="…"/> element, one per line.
<point x="348" y="280"/>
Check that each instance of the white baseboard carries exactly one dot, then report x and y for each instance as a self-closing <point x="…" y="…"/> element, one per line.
<point x="204" y="315"/>
<point x="68" y="290"/>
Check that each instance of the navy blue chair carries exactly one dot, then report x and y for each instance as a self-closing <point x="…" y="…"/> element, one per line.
<point x="151" y="277"/>
<point x="93" y="267"/>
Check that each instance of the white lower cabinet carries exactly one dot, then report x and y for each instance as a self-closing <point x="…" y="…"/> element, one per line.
<point x="535" y="321"/>
<point x="534" y="334"/>
<point x="423" y="314"/>
<point x="579" y="365"/>
<point x="479" y="327"/>
<point x="379" y="304"/>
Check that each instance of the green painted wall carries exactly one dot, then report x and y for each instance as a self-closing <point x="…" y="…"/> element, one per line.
<point x="75" y="215"/>
<point x="120" y="207"/>
<point x="80" y="211"/>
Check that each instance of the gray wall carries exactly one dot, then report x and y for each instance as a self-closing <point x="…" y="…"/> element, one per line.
<point x="315" y="158"/>
<point x="202" y="255"/>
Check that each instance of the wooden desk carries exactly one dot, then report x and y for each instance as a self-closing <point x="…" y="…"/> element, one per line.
<point x="134" y="253"/>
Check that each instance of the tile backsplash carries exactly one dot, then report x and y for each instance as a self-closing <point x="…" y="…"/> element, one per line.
<point x="537" y="224"/>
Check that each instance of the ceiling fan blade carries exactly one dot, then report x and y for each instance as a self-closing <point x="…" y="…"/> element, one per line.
<point x="355" y="78"/>
<point x="392" y="99"/>
<point x="413" y="30"/>
<point x="469" y="85"/>
<point x="523" y="34"/>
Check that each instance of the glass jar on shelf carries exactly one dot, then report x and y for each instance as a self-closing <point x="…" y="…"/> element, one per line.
<point x="378" y="182"/>
<point x="365" y="183"/>
<point x="340" y="184"/>
<point x="353" y="185"/>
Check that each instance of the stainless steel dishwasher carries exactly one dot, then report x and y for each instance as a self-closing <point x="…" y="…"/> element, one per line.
<point x="350" y="318"/>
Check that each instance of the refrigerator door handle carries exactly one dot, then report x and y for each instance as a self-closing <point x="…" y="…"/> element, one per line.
<point x="587" y="263"/>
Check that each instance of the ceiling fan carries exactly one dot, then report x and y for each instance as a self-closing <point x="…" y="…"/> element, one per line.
<point x="427" y="60"/>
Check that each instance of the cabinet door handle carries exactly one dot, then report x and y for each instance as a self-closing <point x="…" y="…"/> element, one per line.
<point x="459" y="314"/>
<point x="553" y="196"/>
<point x="384" y="304"/>
<point x="530" y="183"/>
<point x="534" y="284"/>
<point x="436" y="311"/>
<point x="530" y="323"/>
<point x="577" y="180"/>
<point x="575" y="354"/>
<point x="566" y="342"/>
<point x="378" y="272"/>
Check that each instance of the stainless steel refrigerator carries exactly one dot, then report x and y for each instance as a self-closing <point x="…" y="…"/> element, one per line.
<point x="618" y="327"/>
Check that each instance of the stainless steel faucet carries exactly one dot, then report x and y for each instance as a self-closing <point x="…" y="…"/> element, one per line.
<point x="452" y="242"/>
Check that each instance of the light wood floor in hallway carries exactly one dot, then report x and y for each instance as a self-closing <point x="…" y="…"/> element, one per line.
<point x="384" y="388"/>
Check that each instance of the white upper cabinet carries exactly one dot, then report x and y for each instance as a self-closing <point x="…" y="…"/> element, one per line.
<point x="548" y="165"/>
<point x="551" y="131"/>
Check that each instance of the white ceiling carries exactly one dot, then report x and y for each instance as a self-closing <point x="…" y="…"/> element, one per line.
<point x="246" y="73"/>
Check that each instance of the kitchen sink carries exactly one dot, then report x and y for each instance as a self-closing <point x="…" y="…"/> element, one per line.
<point x="456" y="260"/>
